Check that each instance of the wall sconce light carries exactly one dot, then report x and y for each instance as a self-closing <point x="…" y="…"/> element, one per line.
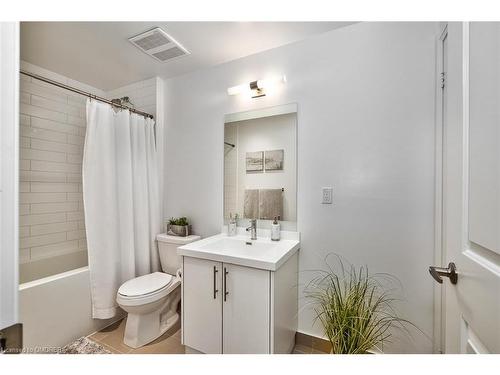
<point x="256" y="88"/>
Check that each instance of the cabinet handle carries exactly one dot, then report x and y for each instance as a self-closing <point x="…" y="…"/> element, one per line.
<point x="215" y="282"/>
<point x="225" y="283"/>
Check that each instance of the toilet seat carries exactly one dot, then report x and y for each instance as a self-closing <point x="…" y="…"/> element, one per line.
<point x="144" y="285"/>
<point x="146" y="289"/>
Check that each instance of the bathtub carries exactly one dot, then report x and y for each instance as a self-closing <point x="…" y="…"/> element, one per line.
<point x="56" y="310"/>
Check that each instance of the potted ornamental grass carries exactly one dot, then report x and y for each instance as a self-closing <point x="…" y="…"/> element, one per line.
<point x="355" y="308"/>
<point x="178" y="227"/>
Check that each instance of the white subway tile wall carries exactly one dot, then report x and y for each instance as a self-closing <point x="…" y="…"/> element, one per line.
<point x="231" y="171"/>
<point x="52" y="135"/>
<point x="142" y="94"/>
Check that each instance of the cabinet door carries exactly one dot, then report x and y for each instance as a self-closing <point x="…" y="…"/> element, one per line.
<point x="246" y="310"/>
<point x="202" y="305"/>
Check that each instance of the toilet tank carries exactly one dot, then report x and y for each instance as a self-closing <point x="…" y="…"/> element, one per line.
<point x="167" y="248"/>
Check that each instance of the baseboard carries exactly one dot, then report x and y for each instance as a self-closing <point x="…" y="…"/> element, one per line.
<point x="318" y="344"/>
<point x="313" y="342"/>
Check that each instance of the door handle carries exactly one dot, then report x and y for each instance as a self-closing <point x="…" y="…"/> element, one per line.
<point x="225" y="284"/>
<point x="215" y="282"/>
<point x="450" y="272"/>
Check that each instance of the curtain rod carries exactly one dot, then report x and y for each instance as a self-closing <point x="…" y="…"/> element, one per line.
<point x="85" y="93"/>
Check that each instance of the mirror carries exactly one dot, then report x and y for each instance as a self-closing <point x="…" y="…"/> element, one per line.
<point x="260" y="166"/>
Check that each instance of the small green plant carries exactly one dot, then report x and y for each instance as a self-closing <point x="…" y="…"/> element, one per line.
<point x="354" y="308"/>
<point x="182" y="221"/>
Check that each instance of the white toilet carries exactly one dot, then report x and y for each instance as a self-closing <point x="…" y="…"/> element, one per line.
<point x="152" y="300"/>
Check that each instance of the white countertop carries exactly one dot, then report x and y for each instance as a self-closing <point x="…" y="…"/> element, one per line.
<point x="240" y="250"/>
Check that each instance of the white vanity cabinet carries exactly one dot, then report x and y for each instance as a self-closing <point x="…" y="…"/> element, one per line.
<point x="201" y="304"/>
<point x="236" y="309"/>
<point x="245" y="310"/>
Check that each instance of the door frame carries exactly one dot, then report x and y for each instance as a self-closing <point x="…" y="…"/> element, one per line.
<point x="9" y="173"/>
<point x="439" y="256"/>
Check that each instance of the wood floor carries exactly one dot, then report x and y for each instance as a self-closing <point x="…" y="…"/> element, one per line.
<point x="111" y="338"/>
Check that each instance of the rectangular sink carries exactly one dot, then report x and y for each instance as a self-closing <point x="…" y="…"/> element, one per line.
<point x="261" y="253"/>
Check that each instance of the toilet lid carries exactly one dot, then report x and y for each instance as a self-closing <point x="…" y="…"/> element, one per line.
<point x="145" y="284"/>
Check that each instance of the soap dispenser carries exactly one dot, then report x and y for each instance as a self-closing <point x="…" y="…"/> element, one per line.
<point x="231" y="227"/>
<point x="275" y="230"/>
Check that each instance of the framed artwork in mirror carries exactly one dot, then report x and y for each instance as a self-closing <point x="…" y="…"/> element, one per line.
<point x="255" y="161"/>
<point x="274" y="160"/>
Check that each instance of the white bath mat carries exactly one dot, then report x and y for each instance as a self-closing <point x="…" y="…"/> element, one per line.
<point x="84" y="345"/>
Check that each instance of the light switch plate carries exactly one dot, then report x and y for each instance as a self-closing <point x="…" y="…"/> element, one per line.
<point x="327" y="195"/>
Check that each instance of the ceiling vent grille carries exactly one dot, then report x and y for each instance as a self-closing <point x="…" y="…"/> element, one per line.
<point x="159" y="45"/>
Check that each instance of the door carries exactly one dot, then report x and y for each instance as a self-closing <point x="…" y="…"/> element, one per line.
<point x="202" y="305"/>
<point x="441" y="102"/>
<point x="9" y="109"/>
<point x="471" y="189"/>
<point x="246" y="311"/>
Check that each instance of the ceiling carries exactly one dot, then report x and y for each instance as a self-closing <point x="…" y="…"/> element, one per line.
<point x="99" y="53"/>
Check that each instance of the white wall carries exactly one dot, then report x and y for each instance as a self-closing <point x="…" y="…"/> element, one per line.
<point x="365" y="95"/>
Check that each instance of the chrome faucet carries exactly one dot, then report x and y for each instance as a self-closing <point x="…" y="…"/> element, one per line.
<point x="253" y="229"/>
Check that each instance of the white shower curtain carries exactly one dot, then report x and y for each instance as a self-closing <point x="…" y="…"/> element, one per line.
<point x="121" y="201"/>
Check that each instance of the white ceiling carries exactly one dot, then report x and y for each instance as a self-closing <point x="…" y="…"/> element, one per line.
<point x="99" y="53"/>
